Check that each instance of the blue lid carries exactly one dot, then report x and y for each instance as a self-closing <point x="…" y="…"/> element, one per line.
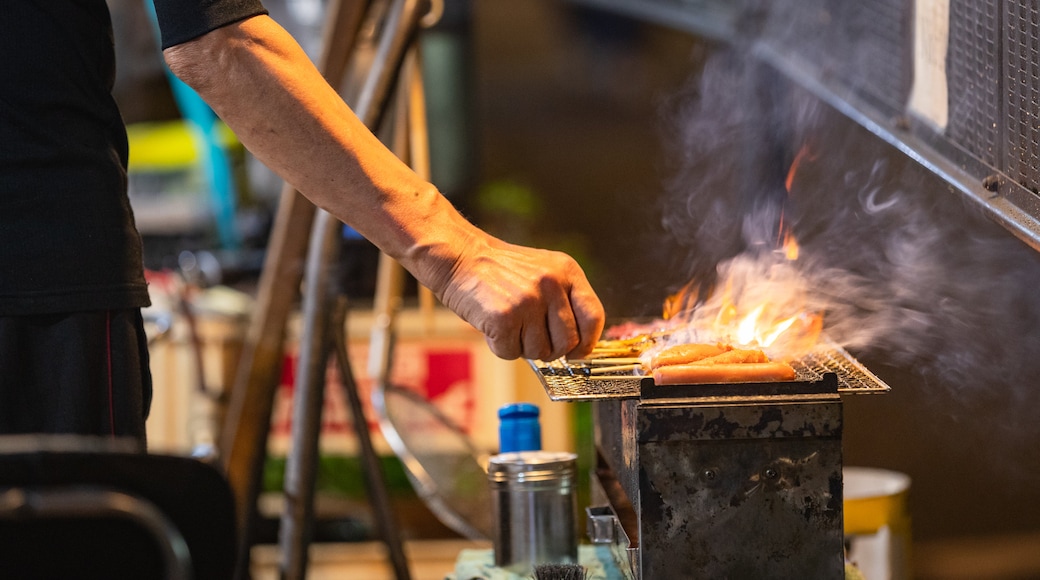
<point x="518" y="428"/>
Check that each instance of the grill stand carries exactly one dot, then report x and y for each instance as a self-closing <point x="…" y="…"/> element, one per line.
<point x="717" y="486"/>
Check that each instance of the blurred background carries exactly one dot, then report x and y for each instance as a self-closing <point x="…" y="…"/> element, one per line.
<point x="588" y="130"/>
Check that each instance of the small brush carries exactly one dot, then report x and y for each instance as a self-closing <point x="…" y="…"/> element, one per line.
<point x="560" y="572"/>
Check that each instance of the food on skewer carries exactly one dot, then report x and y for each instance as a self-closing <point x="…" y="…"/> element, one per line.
<point x="735" y="356"/>
<point x="686" y="374"/>
<point x="696" y="363"/>
<point x="628" y="347"/>
<point x="687" y="353"/>
<point x="689" y="363"/>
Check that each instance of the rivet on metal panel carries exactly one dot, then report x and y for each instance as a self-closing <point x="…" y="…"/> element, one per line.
<point x="991" y="183"/>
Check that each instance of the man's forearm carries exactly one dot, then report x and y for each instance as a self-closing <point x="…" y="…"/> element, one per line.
<point x="262" y="84"/>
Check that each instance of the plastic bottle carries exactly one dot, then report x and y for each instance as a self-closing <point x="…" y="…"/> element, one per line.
<point x="518" y="428"/>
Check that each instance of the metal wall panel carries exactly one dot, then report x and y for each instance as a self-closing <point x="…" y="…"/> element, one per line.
<point x="974" y="78"/>
<point x="858" y="56"/>
<point x="1022" y="74"/>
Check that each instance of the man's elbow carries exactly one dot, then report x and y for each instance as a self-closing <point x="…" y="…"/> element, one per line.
<point x="186" y="63"/>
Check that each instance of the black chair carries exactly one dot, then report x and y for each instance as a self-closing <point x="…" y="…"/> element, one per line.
<point x="84" y="508"/>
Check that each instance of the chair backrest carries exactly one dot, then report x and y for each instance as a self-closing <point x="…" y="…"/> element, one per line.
<point x="79" y="507"/>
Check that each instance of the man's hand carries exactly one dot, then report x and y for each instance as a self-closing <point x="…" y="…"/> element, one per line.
<point x="527" y="302"/>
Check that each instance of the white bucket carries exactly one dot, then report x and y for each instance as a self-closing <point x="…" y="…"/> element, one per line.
<point x="877" y="522"/>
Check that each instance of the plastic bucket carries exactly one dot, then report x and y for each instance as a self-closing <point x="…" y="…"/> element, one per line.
<point x="877" y="522"/>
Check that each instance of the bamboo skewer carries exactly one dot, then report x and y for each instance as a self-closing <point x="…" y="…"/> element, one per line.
<point x="612" y="353"/>
<point x="615" y="369"/>
<point x="604" y="361"/>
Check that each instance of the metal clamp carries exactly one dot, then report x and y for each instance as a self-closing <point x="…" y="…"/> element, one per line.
<point x="601" y="524"/>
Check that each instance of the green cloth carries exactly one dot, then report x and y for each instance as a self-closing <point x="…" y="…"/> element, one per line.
<point x="480" y="565"/>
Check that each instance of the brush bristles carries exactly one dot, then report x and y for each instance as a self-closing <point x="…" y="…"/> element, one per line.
<point x="560" y="572"/>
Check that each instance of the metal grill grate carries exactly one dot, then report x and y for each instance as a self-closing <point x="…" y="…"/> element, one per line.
<point x="565" y="382"/>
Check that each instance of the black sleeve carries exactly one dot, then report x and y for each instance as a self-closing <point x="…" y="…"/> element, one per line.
<point x="183" y="20"/>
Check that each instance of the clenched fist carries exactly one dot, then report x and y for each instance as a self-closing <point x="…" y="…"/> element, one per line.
<point x="527" y="302"/>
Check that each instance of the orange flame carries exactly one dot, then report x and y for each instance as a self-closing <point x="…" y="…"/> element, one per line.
<point x="791" y="335"/>
<point x="684" y="300"/>
<point x="790" y="247"/>
<point x="768" y="325"/>
<point x="803" y="154"/>
<point x="771" y="314"/>
<point x="780" y="322"/>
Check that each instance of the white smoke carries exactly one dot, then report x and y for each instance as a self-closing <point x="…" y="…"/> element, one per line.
<point x="902" y="269"/>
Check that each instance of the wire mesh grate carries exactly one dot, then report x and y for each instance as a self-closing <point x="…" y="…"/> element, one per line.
<point x="566" y="382"/>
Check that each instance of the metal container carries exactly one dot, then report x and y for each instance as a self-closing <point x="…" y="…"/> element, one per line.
<point x="534" y="507"/>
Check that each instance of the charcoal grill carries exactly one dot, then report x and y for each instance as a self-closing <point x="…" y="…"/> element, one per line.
<point x="719" y="481"/>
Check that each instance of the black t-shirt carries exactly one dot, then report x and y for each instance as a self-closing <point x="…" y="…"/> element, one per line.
<point x="183" y="20"/>
<point x="67" y="235"/>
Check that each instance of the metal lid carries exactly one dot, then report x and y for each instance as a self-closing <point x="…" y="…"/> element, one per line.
<point x="525" y="466"/>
